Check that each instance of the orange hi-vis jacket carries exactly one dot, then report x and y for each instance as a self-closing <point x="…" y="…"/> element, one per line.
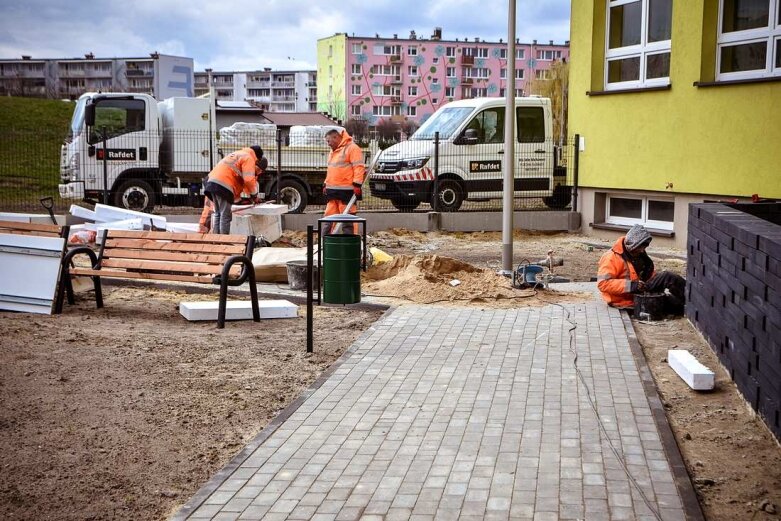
<point x="236" y="172"/>
<point x="615" y="277"/>
<point x="345" y="168"/>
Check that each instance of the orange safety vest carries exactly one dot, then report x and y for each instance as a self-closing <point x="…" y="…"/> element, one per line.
<point x="615" y="277"/>
<point x="236" y="172"/>
<point x="345" y="165"/>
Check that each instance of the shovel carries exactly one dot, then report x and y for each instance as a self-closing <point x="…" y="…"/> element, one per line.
<point x="338" y="226"/>
<point x="48" y="203"/>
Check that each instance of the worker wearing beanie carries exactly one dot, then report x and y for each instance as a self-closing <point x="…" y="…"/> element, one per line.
<point x="234" y="174"/>
<point x="346" y="171"/>
<point x="627" y="269"/>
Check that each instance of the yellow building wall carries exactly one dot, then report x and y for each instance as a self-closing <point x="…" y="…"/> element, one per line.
<point x="723" y="140"/>
<point x="331" y="94"/>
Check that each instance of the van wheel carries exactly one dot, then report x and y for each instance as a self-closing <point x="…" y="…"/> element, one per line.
<point x="294" y="195"/>
<point x="135" y="194"/>
<point x="560" y="199"/>
<point x="405" y="205"/>
<point x="449" y="196"/>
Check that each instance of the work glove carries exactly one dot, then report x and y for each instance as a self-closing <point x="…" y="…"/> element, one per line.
<point x="357" y="191"/>
<point x="325" y="190"/>
<point x="256" y="199"/>
<point x="637" y="286"/>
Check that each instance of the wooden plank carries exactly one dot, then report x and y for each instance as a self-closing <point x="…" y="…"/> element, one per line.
<point x="204" y="279"/>
<point x="204" y="258"/>
<point x="165" y="266"/>
<point x="209" y="238"/>
<point x="189" y="247"/>
<point x="49" y="228"/>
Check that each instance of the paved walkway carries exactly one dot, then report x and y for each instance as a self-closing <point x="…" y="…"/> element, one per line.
<point x="462" y="413"/>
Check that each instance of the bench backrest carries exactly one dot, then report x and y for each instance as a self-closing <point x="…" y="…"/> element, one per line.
<point x="39" y="230"/>
<point x="188" y="257"/>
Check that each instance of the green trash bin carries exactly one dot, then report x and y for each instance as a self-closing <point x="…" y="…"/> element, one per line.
<point x="341" y="269"/>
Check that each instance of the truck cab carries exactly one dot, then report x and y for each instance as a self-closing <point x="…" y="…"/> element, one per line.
<point x="135" y="151"/>
<point x="470" y="156"/>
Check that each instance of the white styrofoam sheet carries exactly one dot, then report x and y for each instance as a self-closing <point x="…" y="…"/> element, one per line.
<point x="237" y="310"/>
<point x="260" y="209"/>
<point x="31" y="269"/>
<point x="25" y="217"/>
<point x="112" y="213"/>
<point x="691" y="371"/>
<point x="83" y="213"/>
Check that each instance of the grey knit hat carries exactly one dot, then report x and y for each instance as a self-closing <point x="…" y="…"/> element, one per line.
<point x="637" y="236"/>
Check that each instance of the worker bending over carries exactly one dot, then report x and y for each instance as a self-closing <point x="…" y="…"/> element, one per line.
<point x="234" y="175"/>
<point x="627" y="269"/>
<point x="345" y="174"/>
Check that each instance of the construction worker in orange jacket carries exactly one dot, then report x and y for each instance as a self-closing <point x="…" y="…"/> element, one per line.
<point x="346" y="171"/>
<point x="205" y="222"/>
<point x="234" y="174"/>
<point x="627" y="269"/>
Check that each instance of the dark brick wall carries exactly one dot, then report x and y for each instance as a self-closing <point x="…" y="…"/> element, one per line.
<point x="733" y="290"/>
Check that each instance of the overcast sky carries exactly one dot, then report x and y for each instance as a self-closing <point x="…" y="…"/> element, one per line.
<point x="250" y="35"/>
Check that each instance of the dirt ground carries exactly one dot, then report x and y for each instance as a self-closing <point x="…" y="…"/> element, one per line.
<point x="732" y="457"/>
<point x="124" y="412"/>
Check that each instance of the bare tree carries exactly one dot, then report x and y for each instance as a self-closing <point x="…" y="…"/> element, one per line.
<point x="556" y="87"/>
<point x="358" y="128"/>
<point x="409" y="127"/>
<point x="387" y="130"/>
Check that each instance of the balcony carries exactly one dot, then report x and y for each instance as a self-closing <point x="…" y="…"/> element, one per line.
<point x="396" y="80"/>
<point x="135" y="73"/>
<point x="467" y="80"/>
<point x="467" y="59"/>
<point x="311" y="84"/>
<point x="283" y="84"/>
<point x="395" y="100"/>
<point x="396" y="58"/>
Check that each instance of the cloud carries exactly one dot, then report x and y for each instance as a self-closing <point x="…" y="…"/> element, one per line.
<point x="245" y="34"/>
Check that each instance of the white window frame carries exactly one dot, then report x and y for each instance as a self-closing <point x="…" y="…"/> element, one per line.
<point x="357" y="48"/>
<point x="450" y="92"/>
<point x="770" y="34"/>
<point x="519" y="74"/>
<point x="412" y="50"/>
<point x="502" y="74"/>
<point x="520" y="54"/>
<point x="355" y="110"/>
<point x="357" y="68"/>
<point x="355" y="90"/>
<point x="451" y="72"/>
<point x="434" y="81"/>
<point x="482" y="52"/>
<point x="412" y="90"/>
<point x="641" y="50"/>
<point x="435" y="60"/>
<point x="643" y="219"/>
<point x="412" y="71"/>
<point x="412" y="110"/>
<point x="450" y="52"/>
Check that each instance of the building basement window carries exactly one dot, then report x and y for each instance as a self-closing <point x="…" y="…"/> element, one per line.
<point x="749" y="41"/>
<point x="650" y="212"/>
<point x="638" y="43"/>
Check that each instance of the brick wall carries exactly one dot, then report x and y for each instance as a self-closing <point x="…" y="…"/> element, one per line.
<point x="734" y="295"/>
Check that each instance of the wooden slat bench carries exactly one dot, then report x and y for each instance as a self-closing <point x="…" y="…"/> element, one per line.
<point x="39" y="230"/>
<point x="165" y="256"/>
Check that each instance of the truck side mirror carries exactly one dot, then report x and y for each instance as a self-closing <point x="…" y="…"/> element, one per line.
<point x="89" y="115"/>
<point x="91" y="150"/>
<point x="469" y="137"/>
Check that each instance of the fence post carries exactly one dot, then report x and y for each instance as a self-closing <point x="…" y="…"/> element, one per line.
<point x="576" y="167"/>
<point x="105" y="166"/>
<point x="435" y="196"/>
<point x="309" y="282"/>
<point x="278" y="195"/>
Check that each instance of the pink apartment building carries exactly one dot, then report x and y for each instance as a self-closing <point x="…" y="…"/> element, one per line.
<point x="371" y="78"/>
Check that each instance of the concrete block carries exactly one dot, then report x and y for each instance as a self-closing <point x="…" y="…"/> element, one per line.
<point x="238" y="310"/>
<point x="269" y="226"/>
<point x="696" y="375"/>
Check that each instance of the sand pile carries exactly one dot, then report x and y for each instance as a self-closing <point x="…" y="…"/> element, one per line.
<point x="427" y="278"/>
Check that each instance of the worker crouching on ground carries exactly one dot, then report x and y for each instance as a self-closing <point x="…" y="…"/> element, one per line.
<point x="627" y="269"/>
<point x="346" y="171"/>
<point x="235" y="174"/>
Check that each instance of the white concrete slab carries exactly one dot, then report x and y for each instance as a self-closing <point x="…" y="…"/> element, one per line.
<point x="237" y="310"/>
<point x="691" y="371"/>
<point x="182" y="227"/>
<point x="112" y="213"/>
<point x="269" y="226"/>
<point x="30" y="272"/>
<point x="260" y="209"/>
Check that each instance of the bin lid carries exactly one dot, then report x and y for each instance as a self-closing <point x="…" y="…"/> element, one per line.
<point x="339" y="217"/>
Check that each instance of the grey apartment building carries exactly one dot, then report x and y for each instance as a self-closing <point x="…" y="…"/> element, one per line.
<point x="158" y="74"/>
<point x="274" y="91"/>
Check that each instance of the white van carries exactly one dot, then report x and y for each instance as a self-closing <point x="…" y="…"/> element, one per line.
<point x="471" y="148"/>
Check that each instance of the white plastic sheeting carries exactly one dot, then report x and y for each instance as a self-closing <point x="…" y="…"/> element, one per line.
<point x="310" y="135"/>
<point x="30" y="272"/>
<point x="242" y="134"/>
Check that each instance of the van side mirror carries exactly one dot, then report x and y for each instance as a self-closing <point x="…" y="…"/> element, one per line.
<point x="469" y="137"/>
<point x="89" y="115"/>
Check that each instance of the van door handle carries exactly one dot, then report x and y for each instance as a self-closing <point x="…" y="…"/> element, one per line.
<point x="539" y="151"/>
<point x="500" y="152"/>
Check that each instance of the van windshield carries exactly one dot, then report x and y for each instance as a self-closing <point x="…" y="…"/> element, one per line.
<point x="445" y="121"/>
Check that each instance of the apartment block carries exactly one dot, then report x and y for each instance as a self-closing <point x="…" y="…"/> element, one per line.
<point x="160" y="75"/>
<point x="274" y="91"/>
<point x="410" y="78"/>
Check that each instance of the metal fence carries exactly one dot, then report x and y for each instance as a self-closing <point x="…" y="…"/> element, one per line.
<point x="457" y="174"/>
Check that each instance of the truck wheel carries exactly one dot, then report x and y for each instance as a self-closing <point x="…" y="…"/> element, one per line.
<point x="135" y="194"/>
<point x="294" y="195"/>
<point x="405" y="205"/>
<point x="560" y="199"/>
<point x="449" y="197"/>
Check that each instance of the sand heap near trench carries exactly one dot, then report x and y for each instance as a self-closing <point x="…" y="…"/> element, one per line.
<point x="426" y="279"/>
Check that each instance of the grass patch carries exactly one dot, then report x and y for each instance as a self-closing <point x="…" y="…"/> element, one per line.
<point x="31" y="133"/>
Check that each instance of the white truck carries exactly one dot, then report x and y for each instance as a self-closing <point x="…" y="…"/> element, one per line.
<point x="471" y="153"/>
<point x="159" y="153"/>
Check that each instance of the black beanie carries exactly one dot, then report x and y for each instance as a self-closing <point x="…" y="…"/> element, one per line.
<point x="258" y="151"/>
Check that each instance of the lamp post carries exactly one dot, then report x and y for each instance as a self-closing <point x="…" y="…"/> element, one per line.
<point x="508" y="164"/>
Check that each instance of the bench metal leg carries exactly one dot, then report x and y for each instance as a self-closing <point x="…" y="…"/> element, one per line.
<point x="65" y="286"/>
<point x="224" y="281"/>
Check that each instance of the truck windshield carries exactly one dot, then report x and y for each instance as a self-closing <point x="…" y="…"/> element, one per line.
<point x="77" y="121"/>
<point x="445" y="121"/>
